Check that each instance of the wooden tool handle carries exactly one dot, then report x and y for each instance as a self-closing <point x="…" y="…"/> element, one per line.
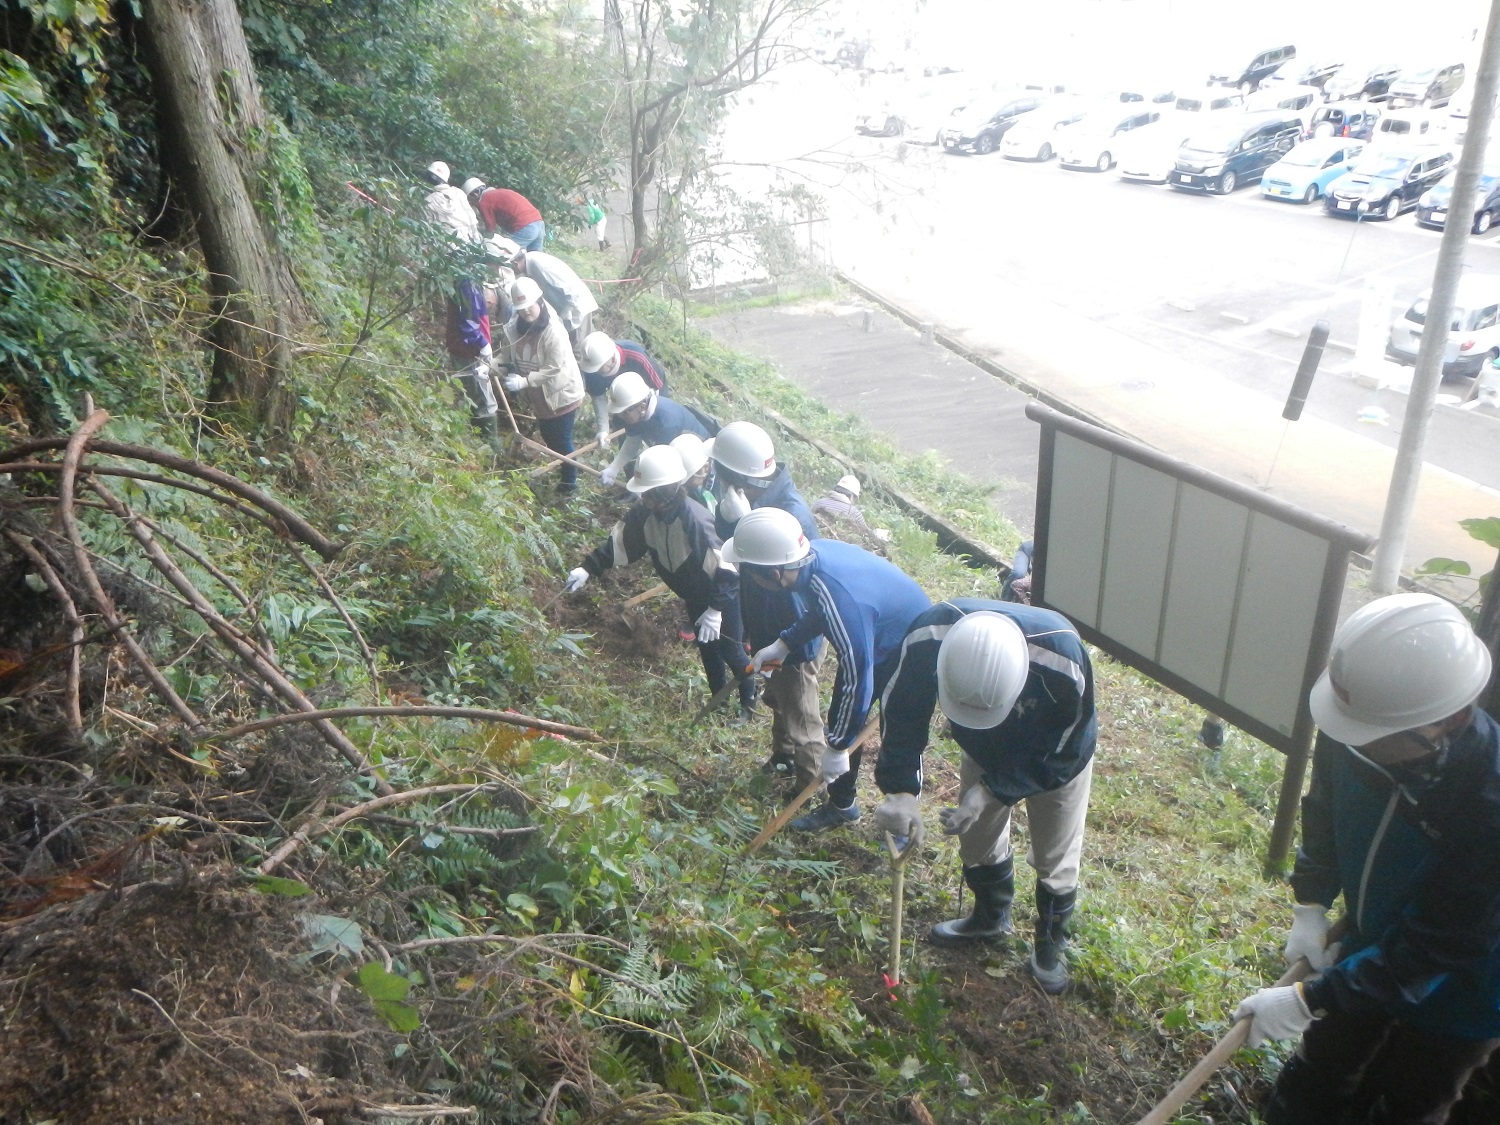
<point x="647" y="595"/>
<point x="872" y="724"/>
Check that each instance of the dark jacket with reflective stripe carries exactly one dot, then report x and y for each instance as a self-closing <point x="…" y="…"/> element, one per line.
<point x="1415" y="851"/>
<point x="1045" y="742"/>
<point x="685" y="550"/>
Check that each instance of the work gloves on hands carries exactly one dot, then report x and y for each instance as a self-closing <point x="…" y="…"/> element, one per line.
<point x="833" y="765"/>
<point x="773" y="654"/>
<point x="610" y="474"/>
<point x="514" y="382"/>
<point x="578" y="578"/>
<point x="957" y="820"/>
<point x="1274" y="1013"/>
<point x="1309" y="937"/>
<point x="898" y="814"/>
<point x="733" y="506"/>
<point x="709" y="622"/>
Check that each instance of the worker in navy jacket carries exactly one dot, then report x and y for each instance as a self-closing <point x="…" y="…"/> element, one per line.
<point x="1017" y="687"/>
<point x="649" y="419"/>
<point x="678" y="534"/>
<point x="603" y="359"/>
<point x="1403" y="819"/>
<point x="862" y="604"/>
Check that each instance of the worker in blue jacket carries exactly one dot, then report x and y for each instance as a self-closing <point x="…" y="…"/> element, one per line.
<point x="748" y="477"/>
<point x="862" y="604"/>
<point x="1403" y="819"/>
<point x="1017" y="687"/>
<point x="649" y="419"/>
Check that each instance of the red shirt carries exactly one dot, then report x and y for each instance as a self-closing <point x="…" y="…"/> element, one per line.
<point x="506" y="209"/>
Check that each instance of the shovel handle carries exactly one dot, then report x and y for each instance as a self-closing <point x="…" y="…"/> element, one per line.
<point x="872" y="724"/>
<point x="646" y="595"/>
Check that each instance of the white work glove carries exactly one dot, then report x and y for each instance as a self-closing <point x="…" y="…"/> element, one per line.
<point x="610" y="474"/>
<point x="1309" y="937"/>
<point x="958" y="819"/>
<point x="773" y="653"/>
<point x="833" y="765"/>
<point x="514" y="382"/>
<point x="708" y="625"/>
<point x="602" y="437"/>
<point x="601" y="420"/>
<point x="486" y="353"/>
<point x="578" y="578"/>
<point x="1274" y="1013"/>
<point x="733" y="506"/>
<point x="898" y="814"/>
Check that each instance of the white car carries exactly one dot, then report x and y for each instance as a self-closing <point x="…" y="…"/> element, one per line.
<point x="1035" y="137"/>
<point x="1095" y="141"/>
<point x="1150" y="153"/>
<point x="1214" y="99"/>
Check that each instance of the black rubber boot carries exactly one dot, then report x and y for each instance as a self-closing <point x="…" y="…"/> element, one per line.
<point x="1052" y="914"/>
<point x="994" y="885"/>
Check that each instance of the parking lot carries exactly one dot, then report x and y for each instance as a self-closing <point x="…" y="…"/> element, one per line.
<point x="1230" y="285"/>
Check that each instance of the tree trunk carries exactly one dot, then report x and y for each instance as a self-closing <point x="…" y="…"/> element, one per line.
<point x="212" y="121"/>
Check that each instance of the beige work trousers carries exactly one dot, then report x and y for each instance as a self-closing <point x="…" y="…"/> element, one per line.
<point x="1054" y="820"/>
<point x="796" y="718"/>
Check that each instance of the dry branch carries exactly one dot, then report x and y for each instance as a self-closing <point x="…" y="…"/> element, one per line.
<point x="237" y="641"/>
<point x="421" y="712"/>
<point x="75" y="625"/>
<point x="295" y="525"/>
<point x="312" y="827"/>
<point x="102" y="601"/>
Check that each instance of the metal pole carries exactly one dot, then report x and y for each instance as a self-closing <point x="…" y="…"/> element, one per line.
<point x="1401" y="500"/>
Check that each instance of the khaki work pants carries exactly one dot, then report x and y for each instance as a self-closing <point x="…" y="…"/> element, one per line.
<point x="796" y="718"/>
<point x="1055" y="822"/>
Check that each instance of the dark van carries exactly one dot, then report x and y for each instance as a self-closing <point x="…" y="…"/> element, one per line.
<point x="1234" y="150"/>
<point x="1345" y="119"/>
<point x="1249" y="76"/>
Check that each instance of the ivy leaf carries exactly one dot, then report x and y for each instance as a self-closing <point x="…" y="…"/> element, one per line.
<point x="1443" y="566"/>
<point x="331" y="934"/>
<point x="388" y="992"/>
<point x="1487" y="530"/>
<point x="275" y="885"/>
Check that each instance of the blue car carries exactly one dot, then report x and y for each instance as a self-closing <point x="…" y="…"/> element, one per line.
<point x="1305" y="173"/>
<point x="1432" y="208"/>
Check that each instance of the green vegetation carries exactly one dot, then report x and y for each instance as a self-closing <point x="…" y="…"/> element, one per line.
<point x="572" y="935"/>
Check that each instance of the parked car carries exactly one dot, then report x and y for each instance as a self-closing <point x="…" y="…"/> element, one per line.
<point x="1385" y="182"/>
<point x="1149" y="154"/>
<point x="1473" y="332"/>
<point x="1246" y="76"/>
<point x="1314" y="72"/>
<point x="1209" y="101"/>
<point x="1432" y="207"/>
<point x="1035" y="136"/>
<point x="1234" y="150"/>
<point x="1345" y="119"/>
<point x="1301" y="100"/>
<point x="1095" y="141"/>
<point x="1305" y="173"/>
<point x="978" y="127"/>
<point x="1403" y="128"/>
<point x="1355" y="81"/>
<point x="1427" y="86"/>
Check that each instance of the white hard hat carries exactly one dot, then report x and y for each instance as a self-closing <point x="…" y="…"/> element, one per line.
<point x="767" y="537"/>
<point x="745" y="448"/>
<point x="1401" y="662"/>
<point x="440" y="170"/>
<point x="473" y="184"/>
<point x="655" y="468"/>
<point x="849" y="484"/>
<point x="598" y="350"/>
<point x="691" y="449"/>
<point x="626" y="391"/>
<point x="504" y="249"/>
<point x="982" y="666"/>
<point x="524" y="293"/>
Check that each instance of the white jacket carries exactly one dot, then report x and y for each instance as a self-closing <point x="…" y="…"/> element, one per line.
<point x="564" y="289"/>
<point x="545" y="358"/>
<point x="449" y="208"/>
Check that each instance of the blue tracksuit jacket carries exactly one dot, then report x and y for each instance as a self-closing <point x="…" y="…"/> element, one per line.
<point x="863" y="605"/>
<point x="1045" y="742"/>
<point x="768" y="613"/>
<point x="669" y="419"/>
<point x="1415" y="850"/>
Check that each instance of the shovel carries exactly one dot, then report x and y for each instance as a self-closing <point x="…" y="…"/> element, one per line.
<point x="899" y="856"/>
<point x="776" y="824"/>
<point x="1233" y="1040"/>
<point x="715" y="701"/>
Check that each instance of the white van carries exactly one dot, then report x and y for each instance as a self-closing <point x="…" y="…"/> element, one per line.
<point x="1473" y="333"/>
<point x="1301" y="100"/>
<point x="1408" y="127"/>
<point x="1209" y="101"/>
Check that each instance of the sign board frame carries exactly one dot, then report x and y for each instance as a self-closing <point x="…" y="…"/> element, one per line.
<point x="1225" y="595"/>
